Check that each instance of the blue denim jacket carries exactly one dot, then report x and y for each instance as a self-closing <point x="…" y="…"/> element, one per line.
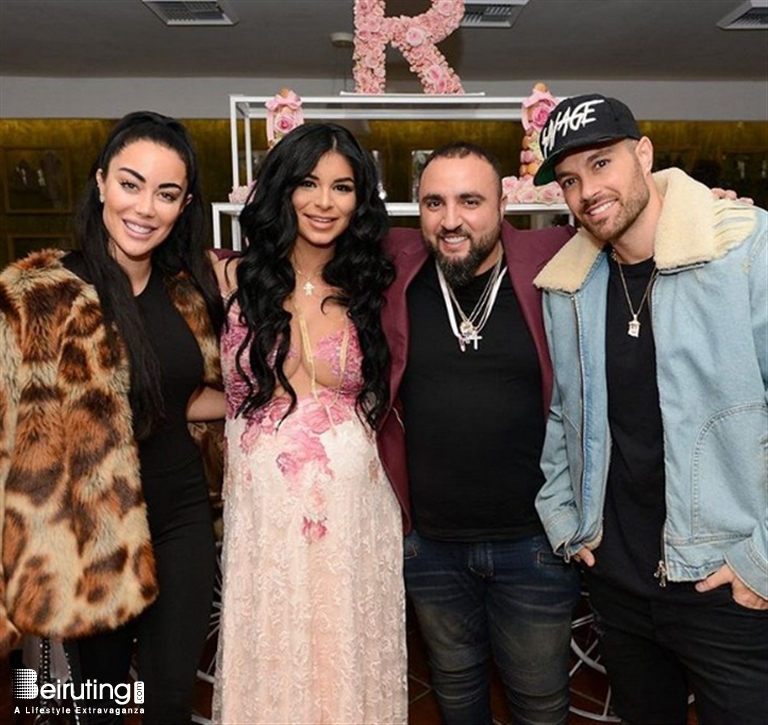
<point x="709" y="310"/>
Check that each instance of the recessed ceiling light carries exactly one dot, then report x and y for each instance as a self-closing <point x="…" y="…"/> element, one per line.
<point x="491" y="13"/>
<point x="750" y="15"/>
<point x="192" y="12"/>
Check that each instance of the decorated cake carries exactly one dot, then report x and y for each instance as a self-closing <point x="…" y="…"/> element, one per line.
<point x="520" y="190"/>
<point x="283" y="115"/>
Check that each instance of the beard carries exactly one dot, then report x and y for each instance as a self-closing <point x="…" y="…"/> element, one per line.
<point x="460" y="272"/>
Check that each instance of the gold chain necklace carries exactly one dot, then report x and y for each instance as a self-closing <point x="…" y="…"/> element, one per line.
<point x="310" y="358"/>
<point x="633" y="328"/>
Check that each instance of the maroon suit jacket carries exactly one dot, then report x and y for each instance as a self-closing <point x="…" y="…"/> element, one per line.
<point x="526" y="254"/>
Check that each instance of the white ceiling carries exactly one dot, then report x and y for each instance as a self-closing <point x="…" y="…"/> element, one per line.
<point x="566" y="39"/>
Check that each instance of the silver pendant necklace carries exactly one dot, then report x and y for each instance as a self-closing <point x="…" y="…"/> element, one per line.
<point x="633" y="328"/>
<point x="468" y="330"/>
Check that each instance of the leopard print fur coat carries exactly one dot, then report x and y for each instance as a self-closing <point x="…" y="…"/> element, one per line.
<point x="75" y="551"/>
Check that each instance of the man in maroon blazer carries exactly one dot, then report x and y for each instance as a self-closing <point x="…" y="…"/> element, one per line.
<point x="470" y="385"/>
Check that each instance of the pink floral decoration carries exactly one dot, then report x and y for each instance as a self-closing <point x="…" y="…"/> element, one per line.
<point x="415" y="37"/>
<point x="301" y="449"/>
<point x="240" y="194"/>
<point x="551" y="193"/>
<point x="283" y="115"/>
<point x="285" y="123"/>
<point x="537" y="107"/>
<point x="312" y="530"/>
<point x="535" y="111"/>
<point x="522" y="191"/>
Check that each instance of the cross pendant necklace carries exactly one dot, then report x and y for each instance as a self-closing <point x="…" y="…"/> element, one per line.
<point x="473" y="337"/>
<point x="469" y="333"/>
<point x="468" y="330"/>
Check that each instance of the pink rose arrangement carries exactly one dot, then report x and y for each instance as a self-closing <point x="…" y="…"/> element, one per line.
<point x="283" y="115"/>
<point x="551" y="193"/>
<point x="240" y="194"/>
<point x="535" y="112"/>
<point x="519" y="191"/>
<point x="522" y="191"/>
<point x="415" y="37"/>
<point x="537" y="107"/>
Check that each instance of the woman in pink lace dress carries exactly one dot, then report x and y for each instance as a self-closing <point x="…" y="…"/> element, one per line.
<point x="312" y="624"/>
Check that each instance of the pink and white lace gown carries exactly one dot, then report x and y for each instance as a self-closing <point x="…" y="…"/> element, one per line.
<point x="313" y="615"/>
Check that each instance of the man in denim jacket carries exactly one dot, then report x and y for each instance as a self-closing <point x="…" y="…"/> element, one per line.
<point x="656" y="452"/>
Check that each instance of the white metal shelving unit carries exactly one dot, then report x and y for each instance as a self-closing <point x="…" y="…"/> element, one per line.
<point x="351" y="106"/>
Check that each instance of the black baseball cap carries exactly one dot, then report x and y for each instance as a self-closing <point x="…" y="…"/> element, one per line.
<point x="578" y="122"/>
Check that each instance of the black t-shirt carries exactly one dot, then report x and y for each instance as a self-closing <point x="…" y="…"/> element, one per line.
<point x="171" y="465"/>
<point x="635" y="506"/>
<point x="181" y="365"/>
<point x="474" y="423"/>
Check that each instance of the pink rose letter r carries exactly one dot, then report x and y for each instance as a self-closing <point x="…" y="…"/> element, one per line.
<point x="415" y="37"/>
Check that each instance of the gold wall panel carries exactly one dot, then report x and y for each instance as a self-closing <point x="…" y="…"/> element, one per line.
<point x="734" y="154"/>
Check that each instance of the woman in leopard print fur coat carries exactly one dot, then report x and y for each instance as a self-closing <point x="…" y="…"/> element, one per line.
<point x="105" y="354"/>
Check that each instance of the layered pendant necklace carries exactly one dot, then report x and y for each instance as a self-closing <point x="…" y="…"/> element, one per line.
<point x="633" y="328"/>
<point x="468" y="329"/>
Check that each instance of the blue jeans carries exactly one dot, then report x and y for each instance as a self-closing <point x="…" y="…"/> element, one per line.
<point x="512" y="598"/>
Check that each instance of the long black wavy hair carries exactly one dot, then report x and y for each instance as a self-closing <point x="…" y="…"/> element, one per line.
<point x="182" y="251"/>
<point x="359" y="268"/>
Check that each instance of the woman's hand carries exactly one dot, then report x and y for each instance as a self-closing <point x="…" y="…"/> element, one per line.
<point x="206" y="403"/>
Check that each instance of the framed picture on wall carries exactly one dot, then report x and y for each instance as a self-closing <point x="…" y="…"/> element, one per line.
<point x="20" y="245"/>
<point x="37" y="181"/>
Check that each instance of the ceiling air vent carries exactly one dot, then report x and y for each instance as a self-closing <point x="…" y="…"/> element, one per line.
<point x="192" y="12"/>
<point x="488" y="14"/>
<point x="751" y="15"/>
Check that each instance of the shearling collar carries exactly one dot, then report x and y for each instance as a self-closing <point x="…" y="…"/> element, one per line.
<point x="693" y="228"/>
